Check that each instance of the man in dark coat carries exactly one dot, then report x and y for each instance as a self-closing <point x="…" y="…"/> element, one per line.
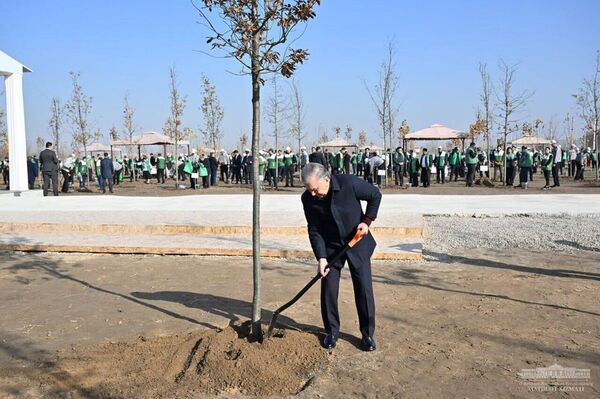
<point x="107" y="170"/>
<point x="49" y="164"/>
<point x="334" y="214"/>
<point x="33" y="171"/>
<point x="317" y="157"/>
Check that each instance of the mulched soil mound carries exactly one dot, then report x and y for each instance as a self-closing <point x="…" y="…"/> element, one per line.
<point x="206" y="362"/>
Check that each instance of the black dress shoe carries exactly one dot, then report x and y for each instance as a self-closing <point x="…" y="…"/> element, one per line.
<point x="368" y="344"/>
<point x="329" y="341"/>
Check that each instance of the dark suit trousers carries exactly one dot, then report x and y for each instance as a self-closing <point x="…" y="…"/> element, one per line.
<point x="50" y="176"/>
<point x="363" y="297"/>
<point x="555" y="176"/>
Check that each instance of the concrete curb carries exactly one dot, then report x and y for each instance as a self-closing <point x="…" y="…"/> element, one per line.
<point x="185" y="229"/>
<point x="247" y="252"/>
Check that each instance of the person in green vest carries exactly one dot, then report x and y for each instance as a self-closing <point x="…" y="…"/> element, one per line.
<point x="413" y="167"/>
<point x="161" y="164"/>
<point x="271" y="168"/>
<point x="498" y="161"/>
<point x="594" y="157"/>
<point x="453" y="163"/>
<point x="91" y="161"/>
<point x="289" y="164"/>
<point x="359" y="163"/>
<point x="441" y="160"/>
<point x="547" y="162"/>
<point x="146" y="168"/>
<point x="511" y="166"/>
<point x="565" y="160"/>
<point x="354" y="162"/>
<point x="425" y="163"/>
<point x="83" y="172"/>
<point x="262" y="168"/>
<point x="98" y="171"/>
<point x="525" y="164"/>
<point x="471" y="160"/>
<point x="398" y="162"/>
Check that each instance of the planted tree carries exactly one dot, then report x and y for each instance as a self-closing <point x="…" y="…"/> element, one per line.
<point x="78" y="111"/>
<point x="173" y="123"/>
<point x="588" y="101"/>
<point x="383" y="95"/>
<point x="509" y="103"/>
<point x="297" y="114"/>
<point x="129" y="126"/>
<point x="258" y="35"/>
<point x="213" y="115"/>
<point x="56" y="122"/>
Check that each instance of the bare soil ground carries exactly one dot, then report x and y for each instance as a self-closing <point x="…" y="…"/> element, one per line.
<point x="139" y="188"/>
<point x="457" y="325"/>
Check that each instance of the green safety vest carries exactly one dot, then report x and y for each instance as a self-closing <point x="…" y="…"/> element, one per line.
<point x="471" y="156"/>
<point x="161" y="163"/>
<point x="441" y="160"/>
<point x="454" y="157"/>
<point x="353" y="159"/>
<point x="526" y="159"/>
<point x="271" y="162"/>
<point x="547" y="162"/>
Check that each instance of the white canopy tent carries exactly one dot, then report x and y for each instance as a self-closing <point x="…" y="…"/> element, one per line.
<point x="150" y="138"/>
<point x="436" y="132"/>
<point x="13" y="71"/>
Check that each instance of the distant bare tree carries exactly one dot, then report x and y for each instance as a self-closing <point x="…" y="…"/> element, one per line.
<point x="486" y="103"/>
<point x="243" y="141"/>
<point x="509" y="103"/>
<point x="172" y="125"/>
<point x="39" y="143"/>
<point x="348" y="134"/>
<point x="213" y="114"/>
<point x="569" y="129"/>
<point x="383" y="94"/>
<point x="336" y="131"/>
<point x="278" y="111"/>
<point x="78" y="110"/>
<point x="129" y="126"/>
<point x="403" y="131"/>
<point x="362" y="138"/>
<point x="297" y="114"/>
<point x="551" y="129"/>
<point x="324" y="137"/>
<point x="588" y="101"/>
<point x="113" y="133"/>
<point x="55" y="123"/>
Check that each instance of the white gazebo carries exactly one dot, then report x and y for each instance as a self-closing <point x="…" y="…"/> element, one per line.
<point x="13" y="70"/>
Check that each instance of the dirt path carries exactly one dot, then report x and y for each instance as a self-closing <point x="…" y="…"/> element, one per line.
<point x="460" y="326"/>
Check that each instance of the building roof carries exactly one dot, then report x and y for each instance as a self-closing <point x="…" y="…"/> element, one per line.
<point x="435" y="132"/>
<point x="10" y="65"/>
<point x="531" y="140"/>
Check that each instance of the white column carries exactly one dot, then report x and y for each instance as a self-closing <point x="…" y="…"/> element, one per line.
<point x="17" y="141"/>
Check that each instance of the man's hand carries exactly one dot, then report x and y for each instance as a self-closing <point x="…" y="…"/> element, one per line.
<point x="321" y="267"/>
<point x="362" y="229"/>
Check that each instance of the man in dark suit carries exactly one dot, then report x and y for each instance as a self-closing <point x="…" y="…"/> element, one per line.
<point x="107" y="171"/>
<point x="49" y="165"/>
<point x="333" y="214"/>
<point x="317" y="157"/>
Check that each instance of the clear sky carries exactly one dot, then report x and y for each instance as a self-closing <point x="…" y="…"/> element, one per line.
<point x="126" y="47"/>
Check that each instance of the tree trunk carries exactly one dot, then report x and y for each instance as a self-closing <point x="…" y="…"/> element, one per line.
<point x="256" y="331"/>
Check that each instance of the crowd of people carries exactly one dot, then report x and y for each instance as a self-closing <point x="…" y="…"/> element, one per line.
<point x="277" y="168"/>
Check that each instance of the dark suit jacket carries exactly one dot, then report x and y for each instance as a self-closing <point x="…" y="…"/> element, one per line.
<point x="49" y="161"/>
<point x="348" y="191"/>
<point x="317" y="157"/>
<point x="106" y="168"/>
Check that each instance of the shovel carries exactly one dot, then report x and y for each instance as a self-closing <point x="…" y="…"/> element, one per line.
<point x="357" y="237"/>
